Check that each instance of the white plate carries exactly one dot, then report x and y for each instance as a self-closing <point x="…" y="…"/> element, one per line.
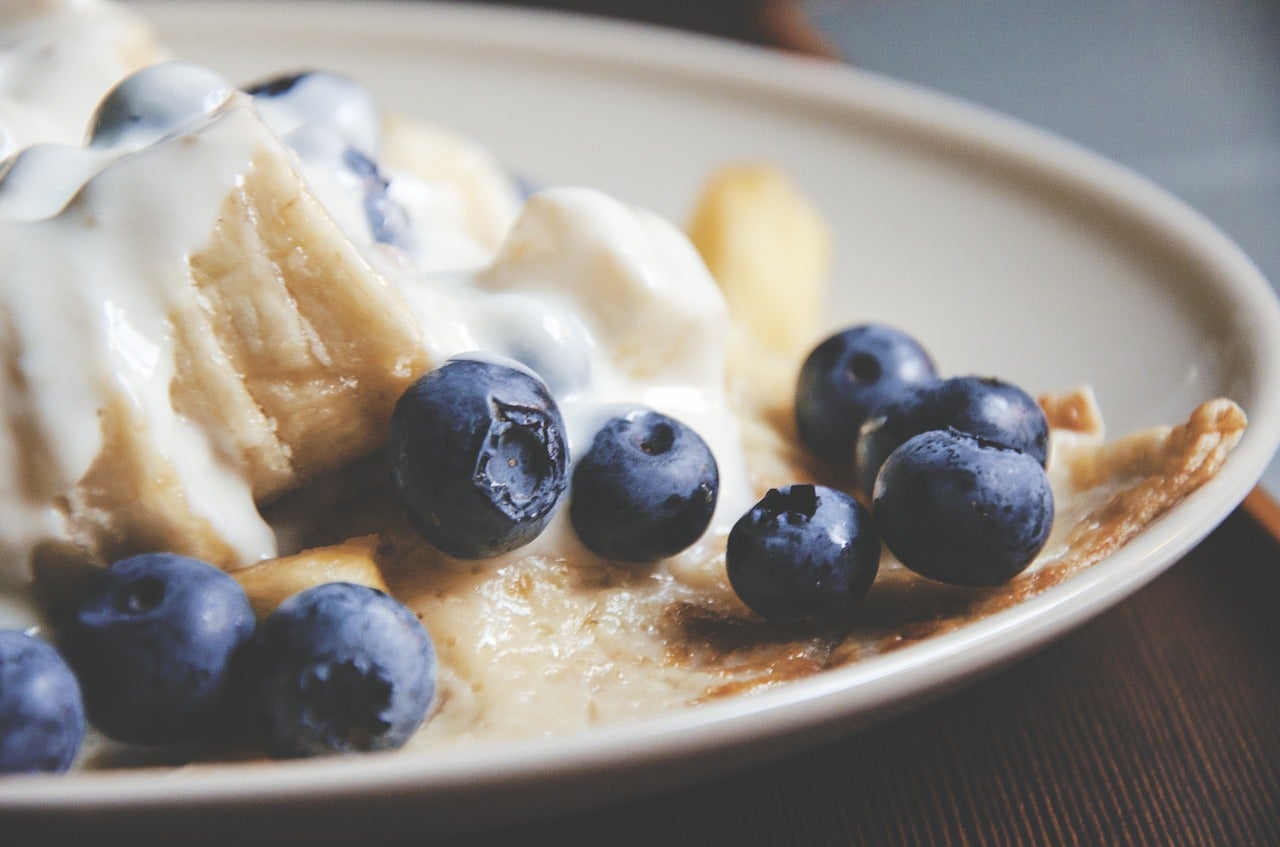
<point x="1007" y="251"/>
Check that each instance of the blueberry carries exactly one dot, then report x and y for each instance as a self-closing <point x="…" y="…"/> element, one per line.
<point x="340" y="668"/>
<point x="41" y="713"/>
<point x="803" y="553"/>
<point x="478" y="454"/>
<point x="154" y="641"/>
<point x="986" y="407"/>
<point x="645" y="489"/>
<point x="388" y="221"/>
<point x="849" y="375"/>
<point x="959" y="509"/>
<point x="156" y="101"/>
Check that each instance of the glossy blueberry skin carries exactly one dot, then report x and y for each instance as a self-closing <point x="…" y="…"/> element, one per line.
<point x="478" y="456"/>
<point x="41" y="711"/>
<point x="846" y="377"/>
<point x="646" y="488"/>
<point x="989" y="408"/>
<point x="961" y="510"/>
<point x="339" y="668"/>
<point x="804" y="553"/>
<point x="154" y="643"/>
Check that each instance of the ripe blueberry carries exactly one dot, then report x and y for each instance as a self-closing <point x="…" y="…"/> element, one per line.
<point x="478" y="456"/>
<point x="986" y="407"/>
<point x="846" y="377"/>
<point x="963" y="510"/>
<point x="339" y="668"/>
<point x="645" y="489"/>
<point x="153" y="642"/>
<point x="41" y="713"/>
<point x="803" y="553"/>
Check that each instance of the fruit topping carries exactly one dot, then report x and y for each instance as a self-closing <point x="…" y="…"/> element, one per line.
<point x="803" y="553"/>
<point x="961" y="509"/>
<point x="153" y="643"/>
<point x="846" y="377"/>
<point x="41" y="713"/>
<point x="645" y="489"/>
<point x="478" y="456"/>
<point x="339" y="668"/>
<point x="989" y="408"/>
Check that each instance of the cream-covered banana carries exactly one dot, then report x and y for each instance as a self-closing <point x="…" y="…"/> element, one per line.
<point x="190" y="334"/>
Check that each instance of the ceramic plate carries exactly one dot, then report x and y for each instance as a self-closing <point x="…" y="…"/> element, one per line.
<point x="1006" y="250"/>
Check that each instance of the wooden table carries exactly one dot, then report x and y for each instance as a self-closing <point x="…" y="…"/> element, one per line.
<point x="1157" y="723"/>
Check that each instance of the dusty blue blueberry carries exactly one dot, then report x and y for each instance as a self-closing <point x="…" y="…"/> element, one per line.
<point x="645" y="489"/>
<point x="154" y="644"/>
<point x="983" y="406"/>
<point x="41" y="712"/>
<point x="963" y="510"/>
<point x="339" y="668"/>
<point x="803" y="553"/>
<point x="478" y="456"/>
<point x="846" y="377"/>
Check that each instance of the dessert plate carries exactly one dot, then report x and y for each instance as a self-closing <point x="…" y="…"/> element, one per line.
<point x="1004" y="249"/>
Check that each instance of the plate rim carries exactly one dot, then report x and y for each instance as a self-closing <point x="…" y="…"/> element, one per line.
<point x="827" y="700"/>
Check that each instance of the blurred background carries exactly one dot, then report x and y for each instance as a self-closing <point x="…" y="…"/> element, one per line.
<point x="1186" y="92"/>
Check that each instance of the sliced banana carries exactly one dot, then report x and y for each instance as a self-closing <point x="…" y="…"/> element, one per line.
<point x="218" y="341"/>
<point x="270" y="583"/>
<point x="769" y="249"/>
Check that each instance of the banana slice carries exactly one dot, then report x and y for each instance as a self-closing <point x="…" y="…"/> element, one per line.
<point x="315" y="347"/>
<point x="212" y="341"/>
<point x="769" y="249"/>
<point x="270" y="583"/>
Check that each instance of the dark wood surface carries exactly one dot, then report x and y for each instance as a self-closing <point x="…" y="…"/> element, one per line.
<point x="1157" y="723"/>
